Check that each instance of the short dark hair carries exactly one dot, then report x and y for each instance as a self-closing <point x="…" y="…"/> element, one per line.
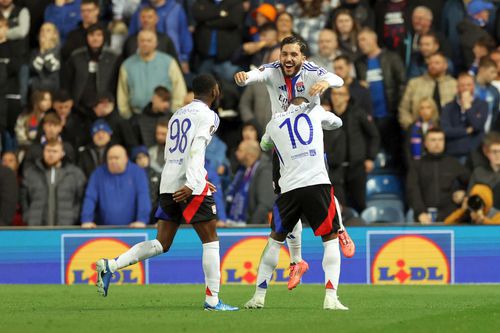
<point x="163" y="93"/>
<point x="434" y="130"/>
<point x="268" y="26"/>
<point x="61" y="96"/>
<point x="95" y="27"/>
<point x="343" y="57"/>
<point x="294" y="40"/>
<point x="487" y="62"/>
<point x="491" y="138"/>
<point x="148" y="8"/>
<point x="52" y="118"/>
<point x="431" y="35"/>
<point x="203" y="84"/>
<point x="163" y="122"/>
<point x="439" y="53"/>
<point x="54" y="142"/>
<point x="486" y="42"/>
<point x="89" y="2"/>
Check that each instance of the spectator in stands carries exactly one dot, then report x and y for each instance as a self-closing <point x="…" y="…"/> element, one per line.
<point x="284" y="24"/>
<point x="74" y="121"/>
<point x="482" y="48"/>
<point x="157" y="151"/>
<point x="123" y="134"/>
<point x="28" y="122"/>
<point x="140" y="156"/>
<point x="309" y="19"/>
<point x="172" y="22"/>
<point x="9" y="160"/>
<point x="360" y="9"/>
<point x="158" y="109"/>
<point x="148" y="20"/>
<point x="436" y="83"/>
<point x="45" y="61"/>
<point x="91" y="70"/>
<point x="51" y="130"/>
<point x="485" y="91"/>
<point x="448" y="178"/>
<point x="94" y="154"/>
<point x="141" y="73"/>
<point x="342" y="66"/>
<point x="77" y="38"/>
<point x="217" y="36"/>
<point x="347" y="29"/>
<point x="392" y="23"/>
<point x="472" y="28"/>
<point x="495" y="56"/>
<point x="255" y="53"/>
<point x="117" y="193"/>
<point x="385" y="73"/>
<point x="489" y="174"/>
<point x="264" y="14"/>
<point x="478" y="158"/>
<point x="428" y="117"/>
<point x="215" y="155"/>
<point x="428" y="44"/>
<point x="362" y="145"/>
<point x="8" y="195"/>
<point x="327" y="49"/>
<point x="250" y="196"/>
<point x="18" y="19"/>
<point x="52" y="190"/>
<point x="463" y="119"/>
<point x="11" y="60"/>
<point x="64" y="14"/>
<point x="476" y="209"/>
<point x="421" y="24"/>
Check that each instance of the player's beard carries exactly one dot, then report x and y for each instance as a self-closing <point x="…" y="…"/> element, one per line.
<point x="292" y="71"/>
<point x="215" y="104"/>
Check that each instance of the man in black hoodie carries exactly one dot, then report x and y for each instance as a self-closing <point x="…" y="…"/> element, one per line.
<point x="362" y="145"/>
<point x="91" y="70"/>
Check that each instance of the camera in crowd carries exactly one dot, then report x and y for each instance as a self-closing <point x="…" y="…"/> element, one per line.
<point x="475" y="203"/>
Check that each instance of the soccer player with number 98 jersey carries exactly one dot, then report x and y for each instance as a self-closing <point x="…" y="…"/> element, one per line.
<point x="185" y="194"/>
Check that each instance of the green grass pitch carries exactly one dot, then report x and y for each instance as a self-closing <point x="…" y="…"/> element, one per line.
<point x="178" y="308"/>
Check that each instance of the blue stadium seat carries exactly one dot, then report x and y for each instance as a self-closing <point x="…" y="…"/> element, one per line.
<point x="384" y="184"/>
<point x="386" y="200"/>
<point x="382" y="214"/>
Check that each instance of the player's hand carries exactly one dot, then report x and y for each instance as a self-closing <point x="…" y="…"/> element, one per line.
<point x="88" y="225"/>
<point x="240" y="78"/>
<point x="183" y="194"/>
<point x="477" y="216"/>
<point x="318" y="88"/>
<point x="212" y="187"/>
<point x="137" y="225"/>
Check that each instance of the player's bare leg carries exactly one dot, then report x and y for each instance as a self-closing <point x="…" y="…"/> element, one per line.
<point x="267" y="265"/>
<point x="331" y="267"/>
<point x="211" y="265"/>
<point x="139" y="252"/>
<point x="346" y="244"/>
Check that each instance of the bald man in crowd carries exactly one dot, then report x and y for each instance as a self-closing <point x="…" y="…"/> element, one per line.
<point x="117" y="193"/>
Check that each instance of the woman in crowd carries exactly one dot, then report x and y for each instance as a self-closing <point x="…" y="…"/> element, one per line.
<point x="45" y="61"/>
<point x="28" y="122"/>
<point x="347" y="29"/>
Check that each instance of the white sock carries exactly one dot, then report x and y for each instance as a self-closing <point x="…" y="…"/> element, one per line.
<point x="331" y="266"/>
<point x="268" y="263"/>
<point x="294" y="241"/>
<point x="211" y="268"/>
<point x="138" y="252"/>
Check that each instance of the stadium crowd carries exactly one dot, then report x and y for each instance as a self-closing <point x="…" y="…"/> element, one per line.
<point x="87" y="88"/>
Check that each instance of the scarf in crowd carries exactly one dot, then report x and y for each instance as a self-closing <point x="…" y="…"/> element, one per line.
<point x="416" y="139"/>
<point x="238" y="193"/>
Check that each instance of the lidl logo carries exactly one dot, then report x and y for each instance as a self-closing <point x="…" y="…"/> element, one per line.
<point x="241" y="262"/>
<point x="81" y="253"/>
<point x="411" y="258"/>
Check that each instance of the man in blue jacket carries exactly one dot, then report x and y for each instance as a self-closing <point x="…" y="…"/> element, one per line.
<point x="117" y="193"/>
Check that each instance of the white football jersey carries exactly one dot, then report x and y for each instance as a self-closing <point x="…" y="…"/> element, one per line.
<point x="297" y="135"/>
<point x="282" y="90"/>
<point x="189" y="131"/>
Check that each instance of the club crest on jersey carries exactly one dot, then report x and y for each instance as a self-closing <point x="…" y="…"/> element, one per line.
<point x="300" y="87"/>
